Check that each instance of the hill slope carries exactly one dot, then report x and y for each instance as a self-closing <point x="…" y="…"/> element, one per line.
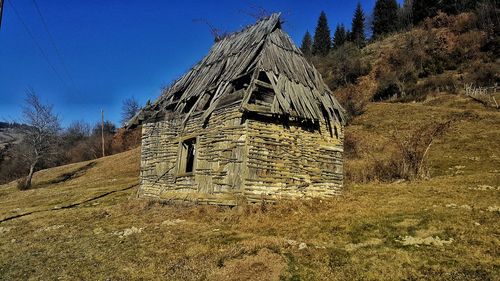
<point x="444" y="228"/>
<point x="443" y="54"/>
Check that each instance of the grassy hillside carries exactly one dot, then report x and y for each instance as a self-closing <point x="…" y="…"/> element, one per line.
<point x="443" y="54"/>
<point x="443" y="228"/>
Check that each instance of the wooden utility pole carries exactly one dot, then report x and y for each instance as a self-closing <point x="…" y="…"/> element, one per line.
<point x="102" y="132"/>
<point x="1" y="12"/>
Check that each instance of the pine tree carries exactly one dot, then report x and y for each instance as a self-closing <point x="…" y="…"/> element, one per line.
<point x="358" y="27"/>
<point x="459" y="6"/>
<point x="385" y="17"/>
<point x="306" y="46"/>
<point x="340" y="36"/>
<point x="428" y="8"/>
<point x="348" y="35"/>
<point x="322" y="41"/>
<point x="423" y="9"/>
<point x="406" y="15"/>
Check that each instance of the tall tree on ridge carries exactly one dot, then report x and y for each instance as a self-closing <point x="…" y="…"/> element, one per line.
<point x="422" y="9"/>
<point x="358" y="36"/>
<point x="406" y="15"/>
<point x="340" y="36"/>
<point x="322" y="40"/>
<point x="459" y="6"/>
<point x="306" y="46"/>
<point x="385" y="17"/>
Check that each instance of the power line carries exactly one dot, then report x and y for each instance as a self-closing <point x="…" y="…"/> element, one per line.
<point x="36" y="43"/>
<point x="52" y="41"/>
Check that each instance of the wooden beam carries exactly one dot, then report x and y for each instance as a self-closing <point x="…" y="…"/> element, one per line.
<point x="264" y="84"/>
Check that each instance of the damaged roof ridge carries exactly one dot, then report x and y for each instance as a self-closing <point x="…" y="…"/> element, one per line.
<point x="276" y="18"/>
<point x="263" y="46"/>
<point x="200" y="64"/>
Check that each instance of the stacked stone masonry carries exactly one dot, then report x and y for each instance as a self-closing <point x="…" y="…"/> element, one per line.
<point x="238" y="157"/>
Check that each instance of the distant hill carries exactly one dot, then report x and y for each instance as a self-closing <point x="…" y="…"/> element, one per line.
<point x="4" y="125"/>
<point x="10" y="133"/>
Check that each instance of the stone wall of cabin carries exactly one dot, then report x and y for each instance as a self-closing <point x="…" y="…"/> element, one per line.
<point x="219" y="167"/>
<point x="293" y="161"/>
<point x="235" y="159"/>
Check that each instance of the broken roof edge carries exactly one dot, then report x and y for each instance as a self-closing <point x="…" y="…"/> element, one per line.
<point x="307" y="104"/>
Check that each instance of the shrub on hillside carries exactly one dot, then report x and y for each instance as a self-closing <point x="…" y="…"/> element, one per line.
<point x="405" y="155"/>
<point x="434" y="84"/>
<point x="83" y="147"/>
<point x="389" y="91"/>
<point x="483" y="74"/>
<point x="21" y="184"/>
<point x="351" y="146"/>
<point x="412" y="148"/>
<point x="372" y="168"/>
<point x="352" y="100"/>
<point x="12" y="165"/>
<point x="343" y="66"/>
<point x="125" y="139"/>
<point x="468" y="47"/>
<point x="81" y="151"/>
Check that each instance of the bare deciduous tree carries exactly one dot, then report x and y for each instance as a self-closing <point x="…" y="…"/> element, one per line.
<point x="257" y="12"/>
<point x="130" y="107"/>
<point x="413" y="147"/>
<point x="76" y="131"/>
<point x="41" y="133"/>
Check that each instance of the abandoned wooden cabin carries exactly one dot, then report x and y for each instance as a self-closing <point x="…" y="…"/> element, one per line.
<point x="252" y="120"/>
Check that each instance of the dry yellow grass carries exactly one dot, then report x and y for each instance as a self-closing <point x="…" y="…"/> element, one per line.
<point x="453" y="218"/>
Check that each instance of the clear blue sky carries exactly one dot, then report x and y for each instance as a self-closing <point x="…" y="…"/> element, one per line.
<point x="118" y="49"/>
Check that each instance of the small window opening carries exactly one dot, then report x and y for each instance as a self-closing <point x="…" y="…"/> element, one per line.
<point x="336" y="132"/>
<point x="189" y="104"/>
<point x="241" y="83"/>
<point x="263" y="77"/>
<point x="187" y="156"/>
<point x="176" y="96"/>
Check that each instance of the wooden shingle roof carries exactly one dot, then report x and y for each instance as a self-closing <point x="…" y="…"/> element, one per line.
<point x="261" y="69"/>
